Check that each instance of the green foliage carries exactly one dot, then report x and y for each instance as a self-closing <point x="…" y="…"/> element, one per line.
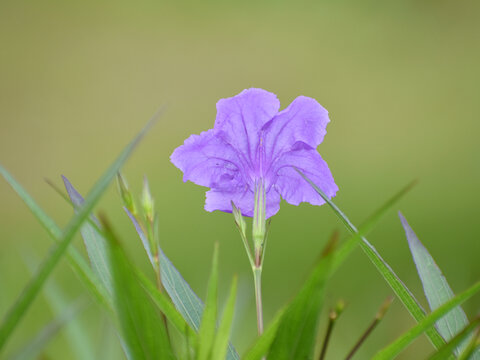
<point x="295" y="337"/>
<point x="144" y="332"/>
<point x="403" y="341"/>
<point x="448" y="349"/>
<point x="436" y="288"/>
<point x="403" y="293"/>
<point x="33" y="287"/>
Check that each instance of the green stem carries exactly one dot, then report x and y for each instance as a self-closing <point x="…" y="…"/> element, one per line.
<point x="257" y="277"/>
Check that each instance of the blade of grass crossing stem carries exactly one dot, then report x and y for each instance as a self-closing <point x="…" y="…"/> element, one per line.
<point x="261" y="345"/>
<point x="37" y="345"/>
<point x="206" y="334"/>
<point x="436" y="288"/>
<point x="403" y="293"/>
<point x="448" y="349"/>
<point x="143" y="330"/>
<point x="96" y="247"/>
<point x="182" y="295"/>
<point x="30" y="292"/>
<point x="403" y="341"/>
<point x="220" y="345"/>
<point x="76" y="261"/>
<point x="296" y="333"/>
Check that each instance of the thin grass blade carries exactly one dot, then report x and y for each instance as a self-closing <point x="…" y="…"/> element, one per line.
<point x="206" y="334"/>
<point x="403" y="341"/>
<point x="95" y="245"/>
<point x="261" y="345"/>
<point x="296" y="333"/>
<point x="143" y="330"/>
<point x="436" y="288"/>
<point x="220" y="345"/>
<point x="23" y="302"/>
<point x="449" y="348"/>
<point x="182" y="295"/>
<point x="403" y="293"/>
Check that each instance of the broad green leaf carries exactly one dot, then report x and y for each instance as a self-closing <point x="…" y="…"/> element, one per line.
<point x="182" y="295"/>
<point x="143" y="329"/>
<point x="17" y="311"/>
<point x="206" y="333"/>
<point x="449" y="348"/>
<point x="403" y="293"/>
<point x="295" y="337"/>
<point x="403" y="341"/>
<point x="220" y="345"/>
<point x="436" y="288"/>
<point x="96" y="247"/>
<point x="261" y="345"/>
<point x="37" y="345"/>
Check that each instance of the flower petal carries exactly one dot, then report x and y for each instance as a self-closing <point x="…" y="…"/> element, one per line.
<point x="243" y="199"/>
<point x="293" y="188"/>
<point x="240" y="118"/>
<point x="207" y="160"/>
<point x="303" y="120"/>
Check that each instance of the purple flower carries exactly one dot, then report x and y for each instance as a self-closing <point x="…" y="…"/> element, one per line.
<point x="253" y="146"/>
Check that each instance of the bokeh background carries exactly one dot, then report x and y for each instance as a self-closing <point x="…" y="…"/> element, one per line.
<point x="401" y="82"/>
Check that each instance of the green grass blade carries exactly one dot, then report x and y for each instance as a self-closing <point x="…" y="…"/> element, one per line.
<point x="95" y="245"/>
<point x="448" y="349"/>
<point x="436" y="288"/>
<point x="206" y="334"/>
<point x="76" y="261"/>
<point x="403" y="293"/>
<point x="143" y="330"/>
<point x="17" y="311"/>
<point x="261" y="345"/>
<point x="295" y="337"/>
<point x="160" y="299"/>
<point x="403" y="341"/>
<point x="182" y="295"/>
<point x="343" y="251"/>
<point x="220" y="345"/>
<point x="34" y="348"/>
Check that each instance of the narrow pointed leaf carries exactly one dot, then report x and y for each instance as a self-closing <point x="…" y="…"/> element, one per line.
<point x="75" y="260"/>
<point x="436" y="288"/>
<point x="160" y="299"/>
<point x="143" y="330"/>
<point x="206" y="334"/>
<point x="220" y="345"/>
<point x="448" y="349"/>
<point x="17" y="311"/>
<point x="403" y="293"/>
<point x="295" y="337"/>
<point x="403" y="341"/>
<point x="182" y="295"/>
<point x="96" y="247"/>
<point x="261" y="345"/>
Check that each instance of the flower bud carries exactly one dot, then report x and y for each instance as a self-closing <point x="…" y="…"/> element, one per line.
<point x="147" y="201"/>
<point x="126" y="195"/>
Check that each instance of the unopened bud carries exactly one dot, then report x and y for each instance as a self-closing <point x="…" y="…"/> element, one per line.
<point x="147" y="201"/>
<point x="239" y="220"/>
<point x="126" y="195"/>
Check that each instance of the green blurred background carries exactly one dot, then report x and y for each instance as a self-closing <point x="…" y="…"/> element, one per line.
<point x="401" y="82"/>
